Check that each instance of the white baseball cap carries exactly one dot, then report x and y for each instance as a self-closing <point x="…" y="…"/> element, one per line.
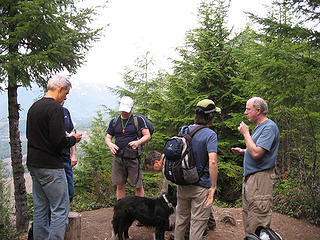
<point x="126" y="104"/>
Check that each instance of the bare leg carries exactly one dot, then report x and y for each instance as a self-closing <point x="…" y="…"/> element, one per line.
<point x="121" y="191"/>
<point x="140" y="191"/>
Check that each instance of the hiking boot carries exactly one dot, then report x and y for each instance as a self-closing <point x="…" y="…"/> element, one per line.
<point x="205" y="233"/>
<point x="211" y="222"/>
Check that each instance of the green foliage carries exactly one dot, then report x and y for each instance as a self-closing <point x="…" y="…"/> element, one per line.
<point x="206" y="71"/>
<point x="38" y="39"/>
<point x="43" y="37"/>
<point x="293" y="198"/>
<point x="30" y="206"/>
<point x="229" y="182"/>
<point x="152" y="182"/>
<point x="279" y="62"/>
<point x="7" y="228"/>
<point x="93" y="187"/>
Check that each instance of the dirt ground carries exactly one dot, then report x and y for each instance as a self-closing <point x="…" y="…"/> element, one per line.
<point x="96" y="225"/>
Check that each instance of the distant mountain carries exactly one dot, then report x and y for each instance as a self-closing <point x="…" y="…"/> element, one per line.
<point x="83" y="101"/>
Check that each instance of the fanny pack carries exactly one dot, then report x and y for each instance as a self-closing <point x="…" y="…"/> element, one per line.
<point x="130" y="153"/>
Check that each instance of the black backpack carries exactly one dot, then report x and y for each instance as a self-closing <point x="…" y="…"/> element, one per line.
<point x="179" y="163"/>
<point x="271" y="233"/>
<point x="251" y="236"/>
<point x="260" y="231"/>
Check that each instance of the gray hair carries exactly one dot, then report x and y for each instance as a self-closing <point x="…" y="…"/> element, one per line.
<point x="260" y="103"/>
<point x="58" y="81"/>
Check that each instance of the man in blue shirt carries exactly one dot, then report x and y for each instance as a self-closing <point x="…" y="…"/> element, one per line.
<point x="69" y="154"/>
<point x="127" y="148"/>
<point x="194" y="201"/>
<point x="259" y="162"/>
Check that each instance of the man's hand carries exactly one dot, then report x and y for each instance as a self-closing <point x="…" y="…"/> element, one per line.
<point x="134" y="144"/>
<point x="74" y="161"/>
<point x="210" y="197"/>
<point x="78" y="136"/>
<point x="238" y="150"/>
<point x="243" y="128"/>
<point x="113" y="148"/>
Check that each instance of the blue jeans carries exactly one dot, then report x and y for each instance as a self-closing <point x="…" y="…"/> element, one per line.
<point x="69" y="175"/>
<point x="50" y="195"/>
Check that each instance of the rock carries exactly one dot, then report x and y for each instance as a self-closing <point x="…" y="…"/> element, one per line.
<point x="227" y="217"/>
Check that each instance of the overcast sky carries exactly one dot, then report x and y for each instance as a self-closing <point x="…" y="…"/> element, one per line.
<point x="138" y="26"/>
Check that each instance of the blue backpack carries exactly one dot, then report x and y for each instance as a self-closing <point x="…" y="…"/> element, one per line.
<point x="179" y="163"/>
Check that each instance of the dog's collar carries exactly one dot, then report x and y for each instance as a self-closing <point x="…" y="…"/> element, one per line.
<point x="166" y="200"/>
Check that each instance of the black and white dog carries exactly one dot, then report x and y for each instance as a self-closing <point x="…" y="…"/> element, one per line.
<point x="150" y="212"/>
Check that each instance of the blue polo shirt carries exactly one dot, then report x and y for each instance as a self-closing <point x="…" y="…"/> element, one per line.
<point x="267" y="136"/>
<point x="204" y="142"/>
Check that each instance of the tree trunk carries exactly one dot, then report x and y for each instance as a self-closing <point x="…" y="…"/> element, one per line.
<point x="74" y="226"/>
<point x="20" y="193"/>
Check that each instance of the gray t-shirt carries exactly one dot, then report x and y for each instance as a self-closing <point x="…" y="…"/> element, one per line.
<point x="267" y="136"/>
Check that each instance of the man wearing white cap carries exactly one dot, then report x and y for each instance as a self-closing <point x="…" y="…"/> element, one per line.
<point x="126" y="149"/>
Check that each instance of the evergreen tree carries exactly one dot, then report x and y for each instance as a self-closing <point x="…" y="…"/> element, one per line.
<point x="206" y="70"/>
<point x="280" y="63"/>
<point x="93" y="185"/>
<point x="38" y="38"/>
<point x="146" y="85"/>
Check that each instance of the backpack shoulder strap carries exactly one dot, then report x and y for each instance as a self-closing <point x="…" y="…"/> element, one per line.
<point x="115" y="119"/>
<point x="136" y="124"/>
<point x="194" y="131"/>
<point x="182" y="131"/>
<point x="135" y="120"/>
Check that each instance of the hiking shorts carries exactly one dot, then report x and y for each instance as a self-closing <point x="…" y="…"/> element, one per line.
<point x="122" y="169"/>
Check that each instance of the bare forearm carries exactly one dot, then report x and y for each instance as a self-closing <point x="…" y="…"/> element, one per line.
<point x="213" y="170"/>
<point x="255" y="151"/>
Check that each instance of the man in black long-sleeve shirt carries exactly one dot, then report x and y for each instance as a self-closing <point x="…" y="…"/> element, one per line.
<point x="46" y="139"/>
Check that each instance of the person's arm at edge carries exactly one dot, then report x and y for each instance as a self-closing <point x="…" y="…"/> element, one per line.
<point x="113" y="148"/>
<point x="213" y="171"/>
<point x="73" y="156"/>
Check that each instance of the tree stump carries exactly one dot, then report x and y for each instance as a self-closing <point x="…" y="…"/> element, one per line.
<point x="74" y="226"/>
